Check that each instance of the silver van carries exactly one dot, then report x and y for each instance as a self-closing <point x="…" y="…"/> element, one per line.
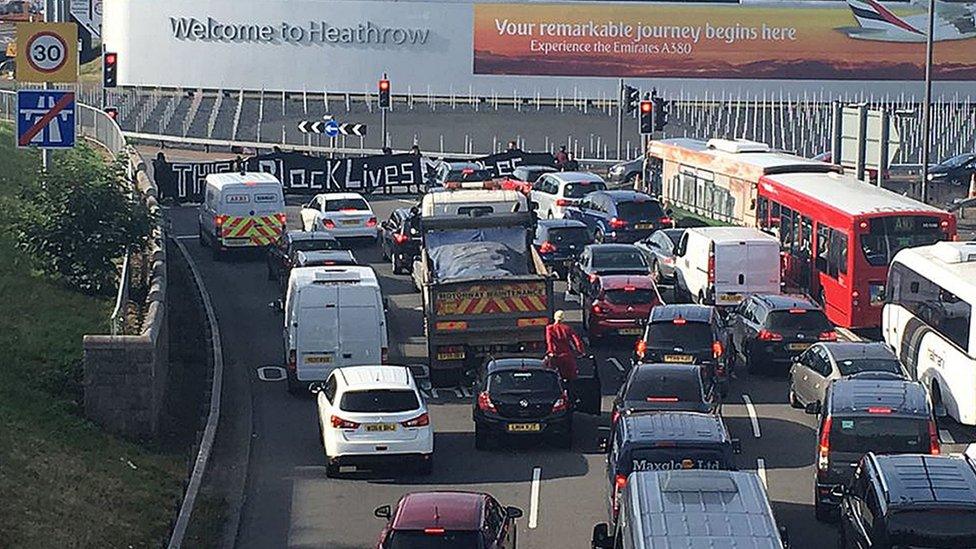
<point x="692" y="508"/>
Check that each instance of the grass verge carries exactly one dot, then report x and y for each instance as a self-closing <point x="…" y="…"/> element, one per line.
<point x="63" y="482"/>
<point x="684" y="218"/>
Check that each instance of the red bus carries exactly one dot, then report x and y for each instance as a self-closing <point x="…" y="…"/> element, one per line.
<point x="838" y="236"/>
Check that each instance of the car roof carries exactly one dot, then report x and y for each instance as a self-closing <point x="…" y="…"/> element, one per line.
<point x="219" y="180"/>
<point x="361" y="274"/>
<point x="623" y="195"/>
<point x="691" y="313"/>
<point x="856" y="395"/>
<point x="913" y="479"/>
<point x="787" y="301"/>
<point x="560" y="223"/>
<point x="577" y="177"/>
<point x="844" y="350"/>
<point x="620" y="282"/>
<point x="503" y="364"/>
<point x="375" y="377"/>
<point x="461" y="165"/>
<point x="448" y="510"/>
<point x="296" y="235"/>
<point x="725" y="234"/>
<point x="674" y="426"/>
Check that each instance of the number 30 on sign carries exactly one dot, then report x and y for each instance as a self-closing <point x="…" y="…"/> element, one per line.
<point x="47" y="52"/>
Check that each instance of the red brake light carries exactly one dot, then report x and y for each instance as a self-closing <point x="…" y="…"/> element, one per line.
<point x="219" y="220"/>
<point x="485" y="404"/>
<point x="797" y="311"/>
<point x="371" y="222"/>
<point x="348" y="209"/>
<point x="547" y="247"/>
<point x="828" y="336"/>
<point x="292" y="360"/>
<point x="401" y="238"/>
<point x="561" y="404"/>
<point x="339" y="423"/>
<point x="879" y="410"/>
<point x="562" y="202"/>
<point x="666" y="221"/>
<point x="434" y="531"/>
<point x="422" y="420"/>
<point x="679" y="321"/>
<point x="641" y="348"/>
<point x="617" y="223"/>
<point x="717" y="349"/>
<point x="766" y="335"/>
<point x="597" y="310"/>
<point x="328" y="224"/>
<point x="594" y="277"/>
<point x="620" y="482"/>
<point x="823" y="460"/>
<point x="662" y="399"/>
<point x="630" y="288"/>
<point x="282" y="218"/>
<point x="614" y="416"/>
<point x="935" y="447"/>
<point x="711" y="268"/>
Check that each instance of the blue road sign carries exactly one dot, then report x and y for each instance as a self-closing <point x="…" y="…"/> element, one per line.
<point x="46" y="119"/>
<point x="331" y="128"/>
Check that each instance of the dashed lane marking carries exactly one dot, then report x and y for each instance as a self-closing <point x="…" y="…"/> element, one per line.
<point x="616" y="364"/>
<point x="761" y="471"/>
<point x="534" y="497"/>
<point x="186" y="237"/>
<point x="752" y="416"/>
<point x="271" y="373"/>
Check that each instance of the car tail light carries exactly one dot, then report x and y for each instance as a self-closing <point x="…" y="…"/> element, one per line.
<point x="717" y="349"/>
<point x="620" y="482"/>
<point x="339" y="423"/>
<point x="328" y="224"/>
<point x="829" y="335"/>
<point x="617" y="223"/>
<point x="562" y="202"/>
<point x="282" y="218"/>
<point x="401" y="238"/>
<point x="371" y="222"/>
<point x="679" y="321"/>
<point x="485" y="404"/>
<point x="219" y="220"/>
<point x="766" y="335"/>
<point x="879" y="410"/>
<point x="935" y="448"/>
<point x="823" y="459"/>
<point x="711" y="268"/>
<point x="662" y="399"/>
<point x="384" y="355"/>
<point x="641" y="348"/>
<point x="666" y="221"/>
<point x="547" y="247"/>
<point x="422" y="420"/>
<point x="597" y="310"/>
<point x="292" y="360"/>
<point x="561" y="404"/>
<point x="593" y="277"/>
<point x="434" y="531"/>
<point x="614" y="416"/>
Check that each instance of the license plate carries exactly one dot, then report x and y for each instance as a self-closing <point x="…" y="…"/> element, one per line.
<point x="630" y="331"/>
<point x="729" y="298"/>
<point x="450" y="356"/>
<point x="524" y="427"/>
<point x="644" y="226"/>
<point x="679" y="358"/>
<point x="318" y="359"/>
<point x="798" y="346"/>
<point x="381" y="427"/>
<point x="350" y="222"/>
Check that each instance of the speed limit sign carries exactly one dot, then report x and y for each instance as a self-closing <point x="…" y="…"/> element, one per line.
<point x="47" y="52"/>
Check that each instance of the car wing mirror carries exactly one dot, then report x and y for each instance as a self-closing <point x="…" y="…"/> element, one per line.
<point x="383" y="512"/>
<point x="812" y="408"/>
<point x="601" y="537"/>
<point x="736" y="446"/>
<point x="513" y="512"/>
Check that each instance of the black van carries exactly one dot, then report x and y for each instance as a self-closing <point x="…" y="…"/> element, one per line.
<point x="910" y="501"/>
<point x="665" y="441"/>
<point x="867" y="412"/>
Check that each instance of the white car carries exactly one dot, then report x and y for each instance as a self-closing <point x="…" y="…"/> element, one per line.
<point x="554" y="191"/>
<point x="343" y="215"/>
<point x="371" y="413"/>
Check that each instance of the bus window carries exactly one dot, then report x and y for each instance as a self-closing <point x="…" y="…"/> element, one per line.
<point x="823" y="247"/>
<point x="837" y="255"/>
<point x="888" y="235"/>
<point x="786" y="229"/>
<point x="762" y="215"/>
<point x="934" y="305"/>
<point x="774" y="212"/>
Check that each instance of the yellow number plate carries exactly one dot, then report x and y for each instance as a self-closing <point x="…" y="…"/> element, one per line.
<point x="318" y="359"/>
<point x="381" y="427"/>
<point x="630" y="331"/>
<point x="798" y="346"/>
<point x="450" y="356"/>
<point x="679" y="358"/>
<point x="644" y="226"/>
<point x="729" y="298"/>
<point x="524" y="427"/>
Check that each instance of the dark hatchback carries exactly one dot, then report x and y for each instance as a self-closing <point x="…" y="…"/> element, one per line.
<point x="448" y="520"/>
<point x="666" y="387"/>
<point x="559" y="242"/>
<point x="400" y="238"/>
<point x="686" y="334"/>
<point x="282" y="253"/>
<point x="620" y="216"/>
<point x="605" y="259"/>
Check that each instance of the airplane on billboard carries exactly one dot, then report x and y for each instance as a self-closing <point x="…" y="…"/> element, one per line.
<point x="953" y="21"/>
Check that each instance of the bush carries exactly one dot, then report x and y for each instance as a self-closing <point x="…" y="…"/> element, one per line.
<point x="79" y="217"/>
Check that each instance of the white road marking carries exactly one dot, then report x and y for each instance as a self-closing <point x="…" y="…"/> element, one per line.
<point x="466" y="392"/>
<point x="534" y="497"/>
<point x="761" y="471"/>
<point x="849" y="335"/>
<point x="187" y="237"/>
<point x="271" y="373"/>
<point x="457" y="391"/>
<point x="616" y="363"/>
<point x="752" y="416"/>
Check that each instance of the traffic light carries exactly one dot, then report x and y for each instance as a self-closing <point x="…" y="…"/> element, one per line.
<point x="112" y="112"/>
<point x="384" y="94"/>
<point x="631" y="98"/>
<point x="110" y="61"/>
<point x="661" y="113"/>
<point x="647" y="116"/>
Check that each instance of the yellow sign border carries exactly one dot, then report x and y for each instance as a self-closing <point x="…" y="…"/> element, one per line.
<point x="68" y="73"/>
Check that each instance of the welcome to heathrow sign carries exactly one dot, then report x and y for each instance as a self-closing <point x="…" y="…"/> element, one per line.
<point x="191" y="28"/>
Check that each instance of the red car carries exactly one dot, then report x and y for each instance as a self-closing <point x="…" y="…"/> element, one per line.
<point x="619" y="305"/>
<point x="448" y="520"/>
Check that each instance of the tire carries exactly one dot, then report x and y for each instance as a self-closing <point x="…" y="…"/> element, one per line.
<point x="481" y="441"/>
<point x="386" y="255"/>
<point x="218" y="254"/>
<point x="331" y="467"/>
<point x="598" y="237"/>
<point x="294" y="388"/>
<point x="397" y="267"/>
<point x="794" y="402"/>
<point x="202" y="236"/>
<point x="938" y="407"/>
<point x="821" y="511"/>
<point x="752" y="364"/>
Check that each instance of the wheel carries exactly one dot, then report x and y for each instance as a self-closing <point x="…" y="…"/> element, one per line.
<point x="822" y="512"/>
<point x="218" y="254"/>
<point x="480" y="438"/>
<point x="751" y="363"/>
<point x="202" y="236"/>
<point x="794" y="402"/>
<point x="294" y="387"/>
<point x="426" y="466"/>
<point x="599" y="236"/>
<point x="331" y="467"/>
<point x="397" y="266"/>
<point x="386" y="255"/>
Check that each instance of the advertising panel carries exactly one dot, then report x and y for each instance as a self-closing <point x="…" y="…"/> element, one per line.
<point x="858" y="40"/>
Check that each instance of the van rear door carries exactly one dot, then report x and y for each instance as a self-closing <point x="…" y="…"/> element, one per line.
<point x="317" y="341"/>
<point x="763" y="274"/>
<point x="254" y="213"/>
<point x="732" y="268"/>
<point x="360" y="327"/>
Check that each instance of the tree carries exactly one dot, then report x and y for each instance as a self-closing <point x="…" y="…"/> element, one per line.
<point x="79" y="218"/>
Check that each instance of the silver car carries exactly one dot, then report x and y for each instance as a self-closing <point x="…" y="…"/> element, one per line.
<point x="822" y="363"/>
<point x="658" y="250"/>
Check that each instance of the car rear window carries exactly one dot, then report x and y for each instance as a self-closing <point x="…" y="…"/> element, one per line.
<point x="933" y="527"/>
<point x="857" y="365"/>
<point x="381" y="400"/>
<point x="315" y="245"/>
<point x="649" y="386"/>
<point x="806" y="321"/>
<point x="639" y="210"/>
<point x="582" y="188"/>
<point x="569" y="235"/>
<point x="342" y="204"/>
<point x="619" y="260"/>
<point x="435" y="539"/>
<point x="689" y="336"/>
<point x="527" y="381"/>
<point x="880" y="433"/>
<point x="630" y="297"/>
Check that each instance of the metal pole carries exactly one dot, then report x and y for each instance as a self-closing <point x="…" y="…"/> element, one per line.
<point x="620" y="117"/>
<point x="383" y="125"/>
<point x="927" y="107"/>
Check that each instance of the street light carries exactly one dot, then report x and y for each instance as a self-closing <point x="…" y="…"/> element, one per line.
<point x="927" y="108"/>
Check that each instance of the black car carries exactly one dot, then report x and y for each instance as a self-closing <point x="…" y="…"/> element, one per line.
<point x="626" y="172"/>
<point x="605" y="259"/>
<point x="559" y="242"/>
<point x="770" y="330"/>
<point x="445" y="172"/>
<point x="665" y="441"/>
<point x="666" y="387"/>
<point x="868" y="412"/>
<point x="400" y="238"/>
<point x="323" y="258"/>
<point x="530" y="174"/>
<point x="957" y="170"/>
<point x="281" y="254"/>
<point x="521" y="396"/>
<point x="910" y="501"/>
<point x="686" y="334"/>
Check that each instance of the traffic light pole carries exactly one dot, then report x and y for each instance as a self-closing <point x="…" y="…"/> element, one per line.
<point x="620" y="118"/>
<point x="383" y="125"/>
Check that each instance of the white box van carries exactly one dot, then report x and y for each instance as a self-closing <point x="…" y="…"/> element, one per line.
<point x="241" y="210"/>
<point x="334" y="317"/>
<point x="722" y="265"/>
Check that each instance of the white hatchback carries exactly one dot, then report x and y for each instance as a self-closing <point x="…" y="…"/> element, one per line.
<point x="371" y="415"/>
<point x="343" y="215"/>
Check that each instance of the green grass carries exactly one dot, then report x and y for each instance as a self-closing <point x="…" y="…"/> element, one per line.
<point x="684" y="218"/>
<point x="63" y="482"/>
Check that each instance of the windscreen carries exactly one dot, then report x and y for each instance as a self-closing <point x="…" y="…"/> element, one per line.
<point x="468" y="175"/>
<point x="889" y="235"/>
<point x="478" y="253"/>
<point x="943" y="528"/>
<point x="689" y="336"/>
<point x="569" y="235"/>
<point x="415" y="539"/>
<point x="619" y="260"/>
<point x="806" y="321"/>
<point x="630" y="297"/>
<point x="582" y="188"/>
<point x="670" y="459"/>
<point x="639" y="210"/>
<point x="315" y="244"/>
<point x="344" y="204"/>
<point x="857" y="365"/>
<point x="380" y="400"/>
<point x="880" y="433"/>
<point x="528" y="382"/>
<point x="686" y="387"/>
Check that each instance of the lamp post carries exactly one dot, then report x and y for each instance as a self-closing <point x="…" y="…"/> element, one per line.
<point x="927" y="107"/>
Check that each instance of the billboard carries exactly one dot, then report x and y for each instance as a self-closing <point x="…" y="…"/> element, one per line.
<point x="858" y="40"/>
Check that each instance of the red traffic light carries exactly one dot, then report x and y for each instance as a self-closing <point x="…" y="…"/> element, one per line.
<point x="646" y="106"/>
<point x="384" y="85"/>
<point x="110" y="58"/>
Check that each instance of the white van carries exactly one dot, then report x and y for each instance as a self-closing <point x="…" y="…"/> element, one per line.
<point x="722" y="265"/>
<point x="472" y="202"/>
<point x="241" y="210"/>
<point x="334" y="317"/>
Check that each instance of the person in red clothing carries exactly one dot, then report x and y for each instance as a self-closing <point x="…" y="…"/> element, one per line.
<point x="562" y="346"/>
